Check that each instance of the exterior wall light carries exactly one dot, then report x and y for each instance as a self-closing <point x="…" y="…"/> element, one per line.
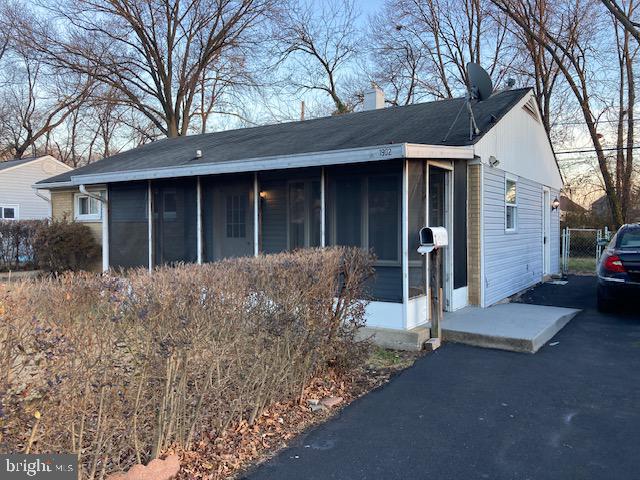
<point x="555" y="204"/>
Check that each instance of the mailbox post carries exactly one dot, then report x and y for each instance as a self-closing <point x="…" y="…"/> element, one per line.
<point x="432" y="239"/>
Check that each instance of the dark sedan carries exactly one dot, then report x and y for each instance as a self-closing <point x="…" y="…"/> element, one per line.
<point x="619" y="268"/>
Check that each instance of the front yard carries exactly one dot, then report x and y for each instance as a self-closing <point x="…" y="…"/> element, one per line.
<point x="220" y="363"/>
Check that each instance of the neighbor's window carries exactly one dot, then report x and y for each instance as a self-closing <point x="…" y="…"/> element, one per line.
<point x="87" y="208"/>
<point x="8" y="212"/>
<point x="511" y="204"/>
<point x="236" y="216"/>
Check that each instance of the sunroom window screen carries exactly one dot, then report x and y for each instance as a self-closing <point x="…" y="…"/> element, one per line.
<point x="348" y="211"/>
<point x="128" y="225"/>
<point x="384" y="216"/>
<point x="417" y="220"/>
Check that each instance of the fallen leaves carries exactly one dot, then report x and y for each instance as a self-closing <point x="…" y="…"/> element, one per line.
<point x="243" y="445"/>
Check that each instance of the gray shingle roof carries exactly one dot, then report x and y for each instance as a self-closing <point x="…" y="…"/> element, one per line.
<point x="15" y="163"/>
<point x="423" y="123"/>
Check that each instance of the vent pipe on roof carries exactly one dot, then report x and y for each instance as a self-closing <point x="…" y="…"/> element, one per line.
<point x="374" y="98"/>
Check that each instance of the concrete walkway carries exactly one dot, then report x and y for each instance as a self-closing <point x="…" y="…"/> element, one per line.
<point x="511" y="326"/>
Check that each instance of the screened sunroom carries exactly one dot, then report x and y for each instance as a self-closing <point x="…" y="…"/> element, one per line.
<point x="378" y="206"/>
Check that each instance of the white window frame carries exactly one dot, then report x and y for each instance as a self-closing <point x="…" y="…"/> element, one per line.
<point x="514" y="179"/>
<point x="16" y="212"/>
<point x="90" y="217"/>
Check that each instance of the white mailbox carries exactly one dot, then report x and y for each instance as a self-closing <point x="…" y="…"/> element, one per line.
<point x="432" y="238"/>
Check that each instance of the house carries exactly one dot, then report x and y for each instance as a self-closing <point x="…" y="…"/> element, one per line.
<point x="568" y="206"/>
<point x="370" y="179"/>
<point x="18" y="199"/>
<point x="601" y="209"/>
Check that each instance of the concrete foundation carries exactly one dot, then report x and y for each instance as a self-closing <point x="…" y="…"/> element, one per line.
<point x="511" y="326"/>
<point x="410" y="340"/>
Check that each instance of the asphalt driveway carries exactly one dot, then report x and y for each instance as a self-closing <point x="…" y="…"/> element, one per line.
<point x="571" y="411"/>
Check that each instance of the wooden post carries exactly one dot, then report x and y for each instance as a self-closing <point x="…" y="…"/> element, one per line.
<point x="435" y="291"/>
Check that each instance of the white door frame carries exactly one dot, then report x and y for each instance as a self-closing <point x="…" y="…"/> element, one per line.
<point x="546" y="231"/>
<point x="447" y="281"/>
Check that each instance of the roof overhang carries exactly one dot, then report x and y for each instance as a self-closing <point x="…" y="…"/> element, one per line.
<point x="302" y="160"/>
<point x="52" y="185"/>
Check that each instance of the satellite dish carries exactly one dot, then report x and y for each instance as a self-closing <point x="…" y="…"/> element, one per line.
<point x="481" y="86"/>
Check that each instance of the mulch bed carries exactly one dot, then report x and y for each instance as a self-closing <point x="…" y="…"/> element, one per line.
<point x="242" y="446"/>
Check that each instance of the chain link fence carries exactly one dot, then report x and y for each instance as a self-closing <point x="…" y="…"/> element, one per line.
<point x="581" y="249"/>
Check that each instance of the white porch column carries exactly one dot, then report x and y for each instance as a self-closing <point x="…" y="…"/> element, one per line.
<point x="150" y="224"/>
<point x="105" y="231"/>
<point x="405" y="241"/>
<point x="323" y="209"/>
<point x="199" y="218"/>
<point x="256" y="215"/>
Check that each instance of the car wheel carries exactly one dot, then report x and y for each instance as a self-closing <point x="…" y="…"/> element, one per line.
<point x="605" y="304"/>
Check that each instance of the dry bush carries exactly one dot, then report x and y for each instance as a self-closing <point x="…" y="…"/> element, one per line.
<point x="16" y="243"/>
<point x="63" y="245"/>
<point x="119" y="368"/>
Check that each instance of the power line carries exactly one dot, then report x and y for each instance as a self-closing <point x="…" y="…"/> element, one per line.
<point x="594" y="150"/>
<point x="595" y="121"/>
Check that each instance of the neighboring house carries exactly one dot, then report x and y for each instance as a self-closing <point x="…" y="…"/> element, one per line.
<point x="18" y="199"/>
<point x="569" y="206"/>
<point x="370" y="179"/>
<point x="601" y="209"/>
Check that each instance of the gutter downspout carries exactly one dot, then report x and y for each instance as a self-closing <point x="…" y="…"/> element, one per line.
<point x="105" y="224"/>
<point x="36" y="190"/>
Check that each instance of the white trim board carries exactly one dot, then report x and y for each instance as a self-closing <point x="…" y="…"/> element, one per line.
<point x="311" y="159"/>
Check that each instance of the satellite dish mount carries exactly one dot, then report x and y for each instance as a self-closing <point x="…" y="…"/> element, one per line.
<point x="479" y="89"/>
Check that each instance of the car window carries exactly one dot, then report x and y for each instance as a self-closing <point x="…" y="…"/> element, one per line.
<point x="630" y="239"/>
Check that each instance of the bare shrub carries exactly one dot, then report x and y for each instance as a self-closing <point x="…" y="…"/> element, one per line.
<point x="16" y="243"/>
<point x="63" y="245"/>
<point x="120" y="368"/>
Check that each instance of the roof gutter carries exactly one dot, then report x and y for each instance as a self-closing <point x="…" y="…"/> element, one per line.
<point x="52" y="185"/>
<point x="280" y="162"/>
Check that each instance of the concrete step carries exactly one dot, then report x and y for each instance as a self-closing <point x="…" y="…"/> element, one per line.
<point x="512" y="326"/>
<point x="410" y="340"/>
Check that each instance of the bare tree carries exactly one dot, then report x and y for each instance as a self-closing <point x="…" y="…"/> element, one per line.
<point x="222" y="90"/>
<point x="624" y="16"/>
<point x="538" y="67"/>
<point x="315" y="45"/>
<point x="568" y="40"/>
<point x="398" y="65"/>
<point x="449" y="34"/>
<point x="154" y="52"/>
<point x="35" y="102"/>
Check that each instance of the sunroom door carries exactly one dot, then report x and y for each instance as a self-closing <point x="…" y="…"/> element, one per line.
<point x="233" y="219"/>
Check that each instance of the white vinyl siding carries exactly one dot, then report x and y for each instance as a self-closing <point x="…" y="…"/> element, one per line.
<point x="16" y="187"/>
<point x="512" y="259"/>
